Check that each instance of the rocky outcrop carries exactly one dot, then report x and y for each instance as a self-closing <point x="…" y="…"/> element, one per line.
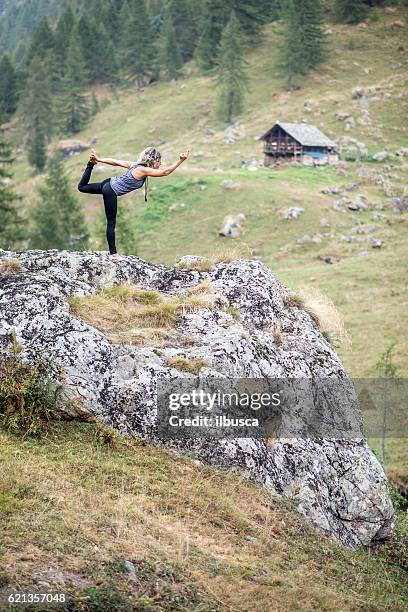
<point x="338" y="484"/>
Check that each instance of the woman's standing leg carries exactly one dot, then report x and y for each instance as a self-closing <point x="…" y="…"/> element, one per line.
<point x="110" y="200"/>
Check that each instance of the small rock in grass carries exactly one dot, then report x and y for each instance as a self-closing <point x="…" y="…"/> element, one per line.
<point x="292" y="213"/>
<point x="229" y="184"/>
<point x="381" y="156"/>
<point x="130" y="567"/>
<point x="375" y="243"/>
<point x="232" y="225"/>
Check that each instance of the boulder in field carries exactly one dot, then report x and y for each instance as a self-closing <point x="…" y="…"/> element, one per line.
<point x="232" y="225"/>
<point x="358" y="92"/>
<point x="230" y="184"/>
<point x="335" y="481"/>
<point x="72" y="147"/>
<point x="381" y="156"/>
<point x="292" y="213"/>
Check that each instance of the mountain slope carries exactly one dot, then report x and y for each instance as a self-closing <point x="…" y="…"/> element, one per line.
<point x="183" y="116"/>
<point x="118" y="525"/>
<point x="185" y="211"/>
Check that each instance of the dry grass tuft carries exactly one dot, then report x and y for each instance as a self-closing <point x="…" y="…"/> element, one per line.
<point x="292" y="300"/>
<point x="277" y="332"/>
<point x="206" y="264"/>
<point x="199" y="265"/>
<point x="204" y="287"/>
<point x="132" y="315"/>
<point x="323" y="311"/>
<point x="10" y="265"/>
<point x="193" y="366"/>
<point x="226" y="256"/>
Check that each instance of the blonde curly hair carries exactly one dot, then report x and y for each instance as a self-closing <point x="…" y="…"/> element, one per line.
<point x="149" y="157"/>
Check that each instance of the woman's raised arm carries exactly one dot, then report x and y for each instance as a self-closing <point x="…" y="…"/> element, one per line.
<point x="164" y="171"/>
<point x="108" y="160"/>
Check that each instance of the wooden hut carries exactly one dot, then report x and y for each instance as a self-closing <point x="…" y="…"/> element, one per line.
<point x="298" y="141"/>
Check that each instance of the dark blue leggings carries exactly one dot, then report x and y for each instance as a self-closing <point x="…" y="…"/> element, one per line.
<point x="110" y="200"/>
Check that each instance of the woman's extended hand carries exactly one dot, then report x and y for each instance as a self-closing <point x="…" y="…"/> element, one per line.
<point x="93" y="158"/>
<point x="184" y="156"/>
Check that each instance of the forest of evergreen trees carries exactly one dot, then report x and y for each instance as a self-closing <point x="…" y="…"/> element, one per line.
<point x="47" y="76"/>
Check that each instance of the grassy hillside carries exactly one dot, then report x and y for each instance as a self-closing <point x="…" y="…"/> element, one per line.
<point x="185" y="211"/>
<point x="118" y="525"/>
<point x="368" y="289"/>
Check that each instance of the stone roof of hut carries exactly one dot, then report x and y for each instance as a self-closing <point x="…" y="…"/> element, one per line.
<point x="306" y="134"/>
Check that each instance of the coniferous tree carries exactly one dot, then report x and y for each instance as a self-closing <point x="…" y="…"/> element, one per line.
<point x="42" y="41"/>
<point x="303" y="38"/>
<point x="57" y="218"/>
<point x="231" y="76"/>
<point x="210" y="29"/>
<point x="349" y="11"/>
<point x="37" y="112"/>
<point x="8" y="86"/>
<point x="314" y="38"/>
<point x="97" y="51"/>
<point x="74" y="105"/>
<point x="169" y="56"/>
<point x="291" y="51"/>
<point x="184" y="26"/>
<point x="11" y="222"/>
<point x="36" y="146"/>
<point x="137" y="43"/>
<point x="251" y="16"/>
<point x="62" y="39"/>
<point x="94" y="104"/>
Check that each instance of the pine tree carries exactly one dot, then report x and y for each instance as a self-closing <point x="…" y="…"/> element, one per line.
<point x="314" y="38"/>
<point x="137" y="43"/>
<point x="94" y="104"/>
<point x="184" y="26"/>
<point x="105" y="63"/>
<point x="97" y="51"/>
<point x="74" y="106"/>
<point x="231" y="76"/>
<point x="62" y="38"/>
<point x="349" y="11"/>
<point x="251" y="16"/>
<point x="8" y="86"/>
<point x="215" y="14"/>
<point x="11" y="223"/>
<point x="37" y="112"/>
<point x="36" y="146"/>
<point x="303" y="38"/>
<point x="210" y="29"/>
<point x="42" y="41"/>
<point x="169" y="57"/>
<point x="57" y="218"/>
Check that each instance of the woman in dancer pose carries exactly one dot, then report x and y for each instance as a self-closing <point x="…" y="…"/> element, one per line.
<point x="147" y="164"/>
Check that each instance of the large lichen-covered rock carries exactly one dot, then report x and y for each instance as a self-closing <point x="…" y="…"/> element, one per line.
<point x="338" y="485"/>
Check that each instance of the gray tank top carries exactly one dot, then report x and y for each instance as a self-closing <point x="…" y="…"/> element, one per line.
<point x="126" y="182"/>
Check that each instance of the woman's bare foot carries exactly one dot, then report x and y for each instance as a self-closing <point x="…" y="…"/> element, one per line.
<point x="116" y="257"/>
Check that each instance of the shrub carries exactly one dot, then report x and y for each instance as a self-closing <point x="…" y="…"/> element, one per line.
<point x="29" y="399"/>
